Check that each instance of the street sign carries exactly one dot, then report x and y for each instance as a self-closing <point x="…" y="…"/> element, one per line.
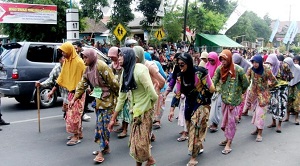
<point x="72" y="18"/>
<point x="159" y="34"/>
<point x="120" y="32"/>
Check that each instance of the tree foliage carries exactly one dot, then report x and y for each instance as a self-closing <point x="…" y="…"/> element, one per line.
<point x="252" y="26"/>
<point x="92" y="8"/>
<point x="149" y="8"/>
<point x="41" y="32"/>
<point x="219" y="6"/>
<point x="121" y="13"/>
<point x="170" y="23"/>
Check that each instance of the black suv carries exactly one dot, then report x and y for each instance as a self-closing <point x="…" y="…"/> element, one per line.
<point x="24" y="63"/>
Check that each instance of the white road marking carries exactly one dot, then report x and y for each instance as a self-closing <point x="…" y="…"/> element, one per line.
<point x="36" y="119"/>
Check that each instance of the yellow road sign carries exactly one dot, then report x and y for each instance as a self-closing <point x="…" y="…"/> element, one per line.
<point x="120" y="32"/>
<point x="159" y="34"/>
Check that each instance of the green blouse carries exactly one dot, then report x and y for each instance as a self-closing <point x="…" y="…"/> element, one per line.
<point x="232" y="90"/>
<point x="144" y="97"/>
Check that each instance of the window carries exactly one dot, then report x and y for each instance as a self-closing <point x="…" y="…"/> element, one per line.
<point x="8" y="56"/>
<point x="40" y="53"/>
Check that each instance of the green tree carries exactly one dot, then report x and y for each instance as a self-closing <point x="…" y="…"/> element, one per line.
<point x="170" y="24"/>
<point x="252" y="26"/>
<point x="121" y="13"/>
<point x="41" y="32"/>
<point x="219" y="6"/>
<point x="92" y="8"/>
<point x="149" y="8"/>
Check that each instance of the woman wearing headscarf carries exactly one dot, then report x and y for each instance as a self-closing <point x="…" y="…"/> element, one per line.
<point x="294" y="90"/>
<point x="233" y="83"/>
<point x="178" y="100"/>
<point x="106" y="87"/>
<point x="279" y="94"/>
<point x="242" y="62"/>
<point x="215" y="111"/>
<point x="71" y="73"/>
<point x="136" y="78"/>
<point x="124" y="116"/>
<point x="296" y="59"/>
<point x="203" y="58"/>
<point x="196" y="85"/>
<point x="157" y="79"/>
<point x="259" y="95"/>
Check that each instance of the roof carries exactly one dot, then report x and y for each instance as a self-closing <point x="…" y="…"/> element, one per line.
<point x="215" y="40"/>
<point x="93" y="27"/>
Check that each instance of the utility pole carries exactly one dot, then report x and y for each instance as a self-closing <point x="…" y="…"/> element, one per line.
<point x="288" y="44"/>
<point x="185" y="17"/>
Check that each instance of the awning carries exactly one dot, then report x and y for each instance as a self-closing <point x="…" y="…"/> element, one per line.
<point x="215" y="40"/>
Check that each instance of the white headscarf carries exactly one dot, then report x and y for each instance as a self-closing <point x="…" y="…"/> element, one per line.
<point x="295" y="69"/>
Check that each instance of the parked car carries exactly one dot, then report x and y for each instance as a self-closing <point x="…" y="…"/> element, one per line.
<point x="24" y="63"/>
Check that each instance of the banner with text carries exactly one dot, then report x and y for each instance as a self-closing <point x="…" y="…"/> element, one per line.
<point x="28" y="13"/>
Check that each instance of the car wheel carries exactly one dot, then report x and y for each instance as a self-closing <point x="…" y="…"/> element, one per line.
<point x="23" y="99"/>
<point x="45" y="102"/>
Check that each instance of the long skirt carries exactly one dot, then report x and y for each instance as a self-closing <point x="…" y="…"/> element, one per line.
<point x="181" y="118"/>
<point x="102" y="134"/>
<point x="229" y="120"/>
<point x="294" y="98"/>
<point x="215" y="115"/>
<point x="139" y="140"/>
<point x="74" y="114"/>
<point x="278" y="102"/>
<point x="259" y="114"/>
<point x="197" y="129"/>
<point x="124" y="115"/>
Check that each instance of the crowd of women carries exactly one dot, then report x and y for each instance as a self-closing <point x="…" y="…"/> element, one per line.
<point x="134" y="88"/>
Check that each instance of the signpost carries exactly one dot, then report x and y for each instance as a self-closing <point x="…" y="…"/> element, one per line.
<point x="159" y="34"/>
<point x="72" y="19"/>
<point x="120" y="32"/>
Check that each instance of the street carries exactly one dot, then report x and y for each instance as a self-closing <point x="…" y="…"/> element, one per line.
<point x="22" y="144"/>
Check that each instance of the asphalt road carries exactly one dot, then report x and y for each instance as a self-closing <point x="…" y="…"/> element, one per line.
<point x="22" y="144"/>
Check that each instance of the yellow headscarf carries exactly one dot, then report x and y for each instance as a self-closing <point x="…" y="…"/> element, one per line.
<point x="72" y="69"/>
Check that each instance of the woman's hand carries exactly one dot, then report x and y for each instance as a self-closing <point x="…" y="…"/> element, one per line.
<point x="110" y="125"/>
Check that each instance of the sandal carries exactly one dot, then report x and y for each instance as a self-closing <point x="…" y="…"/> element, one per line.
<point x="223" y="143"/>
<point x="73" y="142"/>
<point x="156" y="125"/>
<point x="122" y="135"/>
<point x="226" y="151"/>
<point x="259" y="139"/>
<point x="182" y="138"/>
<point x="99" y="159"/>
<point x="70" y="137"/>
<point x="192" y="163"/>
<point x="271" y="125"/>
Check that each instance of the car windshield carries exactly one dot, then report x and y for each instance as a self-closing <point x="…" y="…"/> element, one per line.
<point x="8" y="56"/>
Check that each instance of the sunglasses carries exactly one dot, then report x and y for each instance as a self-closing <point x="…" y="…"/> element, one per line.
<point x="181" y="64"/>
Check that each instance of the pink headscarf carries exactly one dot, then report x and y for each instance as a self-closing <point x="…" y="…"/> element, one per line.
<point x="113" y="52"/>
<point x="91" y="71"/>
<point x="212" y="68"/>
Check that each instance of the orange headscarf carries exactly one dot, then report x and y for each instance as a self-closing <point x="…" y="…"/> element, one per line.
<point x="225" y="70"/>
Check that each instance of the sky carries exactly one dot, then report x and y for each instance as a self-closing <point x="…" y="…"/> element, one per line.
<point x="277" y="9"/>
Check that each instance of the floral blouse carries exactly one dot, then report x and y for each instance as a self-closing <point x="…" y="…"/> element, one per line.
<point x="108" y="84"/>
<point x="232" y="90"/>
<point x="261" y="85"/>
